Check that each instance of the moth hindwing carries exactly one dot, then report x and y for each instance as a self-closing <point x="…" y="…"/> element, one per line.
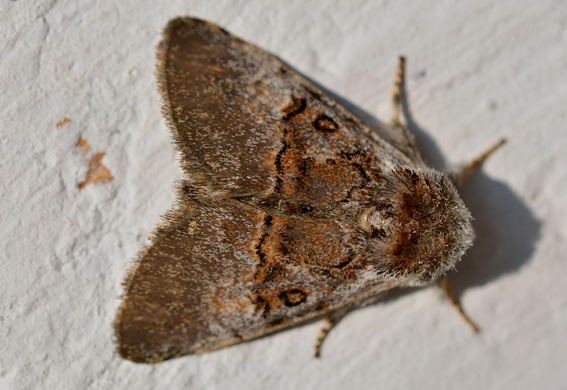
<point x="290" y="209"/>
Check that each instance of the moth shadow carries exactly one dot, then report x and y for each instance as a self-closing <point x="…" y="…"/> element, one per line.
<point x="506" y="233"/>
<point x="506" y="229"/>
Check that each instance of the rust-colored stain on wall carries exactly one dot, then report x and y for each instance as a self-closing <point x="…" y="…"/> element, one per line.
<point x="98" y="173"/>
<point x="62" y="122"/>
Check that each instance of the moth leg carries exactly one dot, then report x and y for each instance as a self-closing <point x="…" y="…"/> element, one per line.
<point x="328" y="323"/>
<point x="460" y="176"/>
<point x="444" y="284"/>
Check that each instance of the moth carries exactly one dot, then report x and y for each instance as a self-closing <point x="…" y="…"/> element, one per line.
<point x="290" y="209"/>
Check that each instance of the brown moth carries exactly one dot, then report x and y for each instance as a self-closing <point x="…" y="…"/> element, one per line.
<point x="290" y="209"/>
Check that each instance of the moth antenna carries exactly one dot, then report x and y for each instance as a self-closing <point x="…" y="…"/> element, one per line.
<point x="459" y="177"/>
<point x="397" y="92"/>
<point x="444" y="284"/>
<point x="399" y="107"/>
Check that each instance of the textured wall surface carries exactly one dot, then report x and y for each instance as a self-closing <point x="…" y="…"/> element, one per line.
<point x="477" y="71"/>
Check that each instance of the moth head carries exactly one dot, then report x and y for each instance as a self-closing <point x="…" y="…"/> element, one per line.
<point x="418" y="228"/>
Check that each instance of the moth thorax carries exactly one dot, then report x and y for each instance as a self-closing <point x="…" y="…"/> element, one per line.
<point x="418" y="228"/>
